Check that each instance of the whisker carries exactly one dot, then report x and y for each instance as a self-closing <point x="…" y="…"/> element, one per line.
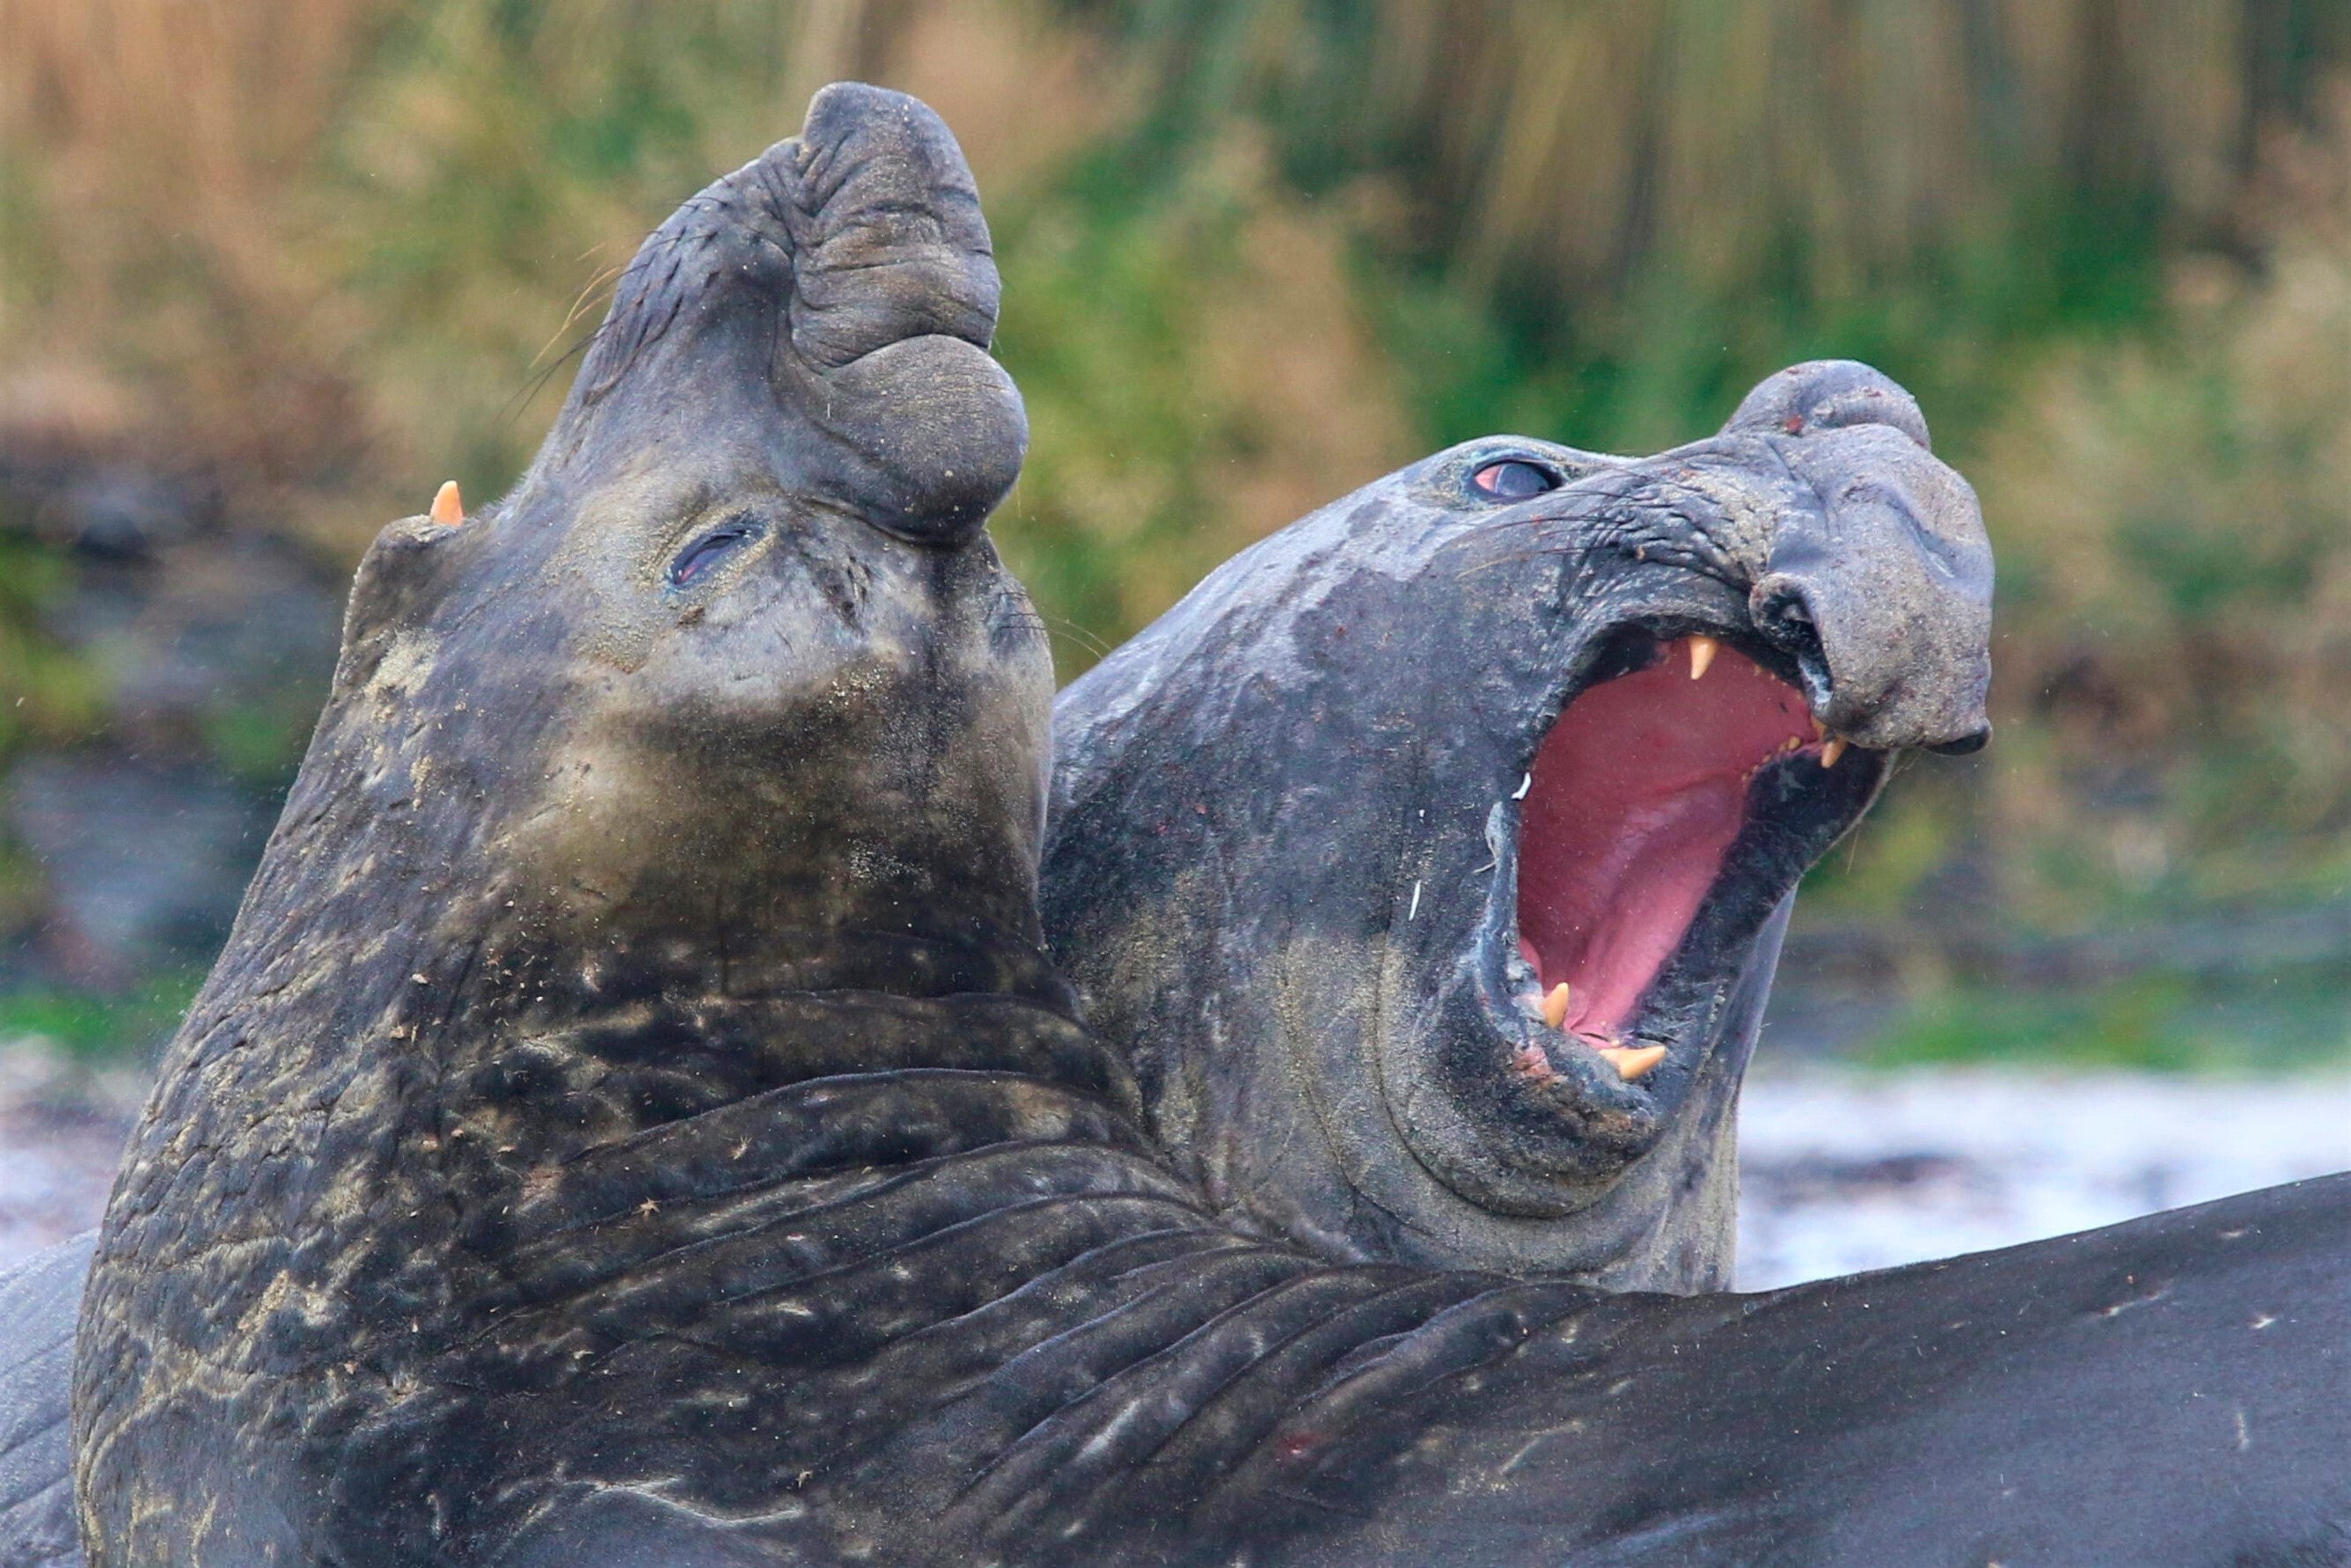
<point x="603" y="278"/>
<point x="512" y="409"/>
<point x="1517" y="557"/>
<point x="1092" y="643"/>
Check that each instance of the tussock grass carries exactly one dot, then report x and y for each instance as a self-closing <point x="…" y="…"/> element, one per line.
<point x="2175" y="521"/>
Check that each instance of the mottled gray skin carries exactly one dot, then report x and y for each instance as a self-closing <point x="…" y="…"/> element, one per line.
<point x="634" y="1123"/>
<point x="583" y="859"/>
<point x="1281" y="865"/>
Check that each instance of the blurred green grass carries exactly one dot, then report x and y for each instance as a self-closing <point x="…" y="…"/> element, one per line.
<point x="2156" y="1021"/>
<point x="1255" y="253"/>
<point x="95" y="1029"/>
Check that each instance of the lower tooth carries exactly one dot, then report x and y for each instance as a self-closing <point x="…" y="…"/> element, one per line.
<point x="1633" y="1062"/>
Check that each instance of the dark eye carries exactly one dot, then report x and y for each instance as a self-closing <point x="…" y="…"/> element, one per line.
<point x="1512" y="480"/>
<point x="709" y="551"/>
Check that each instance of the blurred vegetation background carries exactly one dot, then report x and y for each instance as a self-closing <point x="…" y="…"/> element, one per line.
<point x="268" y="273"/>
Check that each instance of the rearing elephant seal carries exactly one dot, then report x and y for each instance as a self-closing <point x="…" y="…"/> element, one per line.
<point x="633" y="1121"/>
<point x="709" y="763"/>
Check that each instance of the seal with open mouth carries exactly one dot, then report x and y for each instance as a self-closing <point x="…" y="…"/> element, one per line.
<point x="634" y="1119"/>
<point x="1431" y="858"/>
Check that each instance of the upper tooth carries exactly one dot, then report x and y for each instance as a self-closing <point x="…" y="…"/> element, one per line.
<point x="1831" y="751"/>
<point x="1632" y="1062"/>
<point x="1703" y="652"/>
<point x="1555" y="1006"/>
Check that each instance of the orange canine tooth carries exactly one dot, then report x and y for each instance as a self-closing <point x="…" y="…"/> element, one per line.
<point x="1703" y="652"/>
<point x="1831" y="751"/>
<point x="1555" y="1006"/>
<point x="1633" y="1062"/>
<point x="448" y="507"/>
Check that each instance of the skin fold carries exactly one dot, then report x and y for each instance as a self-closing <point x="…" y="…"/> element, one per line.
<point x="636" y="1115"/>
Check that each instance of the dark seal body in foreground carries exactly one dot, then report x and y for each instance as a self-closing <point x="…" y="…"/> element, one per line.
<point x="634" y="1117"/>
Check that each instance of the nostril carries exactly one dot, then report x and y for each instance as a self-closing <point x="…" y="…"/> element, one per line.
<point x="948" y="528"/>
<point x="1781" y="614"/>
<point x="1963" y="746"/>
<point x="1784" y="617"/>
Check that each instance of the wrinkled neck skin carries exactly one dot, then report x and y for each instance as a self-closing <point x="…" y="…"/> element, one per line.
<point x="1286" y="842"/>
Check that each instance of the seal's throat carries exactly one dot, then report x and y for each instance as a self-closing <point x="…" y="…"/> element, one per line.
<point x="1636" y="799"/>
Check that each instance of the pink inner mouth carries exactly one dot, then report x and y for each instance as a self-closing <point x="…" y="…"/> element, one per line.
<point x="1638" y="792"/>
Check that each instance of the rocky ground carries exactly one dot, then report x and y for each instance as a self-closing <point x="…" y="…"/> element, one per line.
<point x="61" y="1128"/>
<point x="1841" y="1170"/>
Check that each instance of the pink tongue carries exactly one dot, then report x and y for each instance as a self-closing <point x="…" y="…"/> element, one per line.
<point x="1638" y="792"/>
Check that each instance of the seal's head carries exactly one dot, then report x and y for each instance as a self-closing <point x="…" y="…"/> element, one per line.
<point x="1431" y="859"/>
<point x="734" y="672"/>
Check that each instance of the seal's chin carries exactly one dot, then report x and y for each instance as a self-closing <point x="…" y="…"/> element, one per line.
<point x="1679" y="795"/>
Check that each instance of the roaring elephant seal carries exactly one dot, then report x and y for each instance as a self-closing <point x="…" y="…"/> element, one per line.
<point x="1430" y="860"/>
<point x="634" y="1115"/>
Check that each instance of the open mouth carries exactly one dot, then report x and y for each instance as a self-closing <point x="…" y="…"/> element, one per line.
<point x="1673" y="803"/>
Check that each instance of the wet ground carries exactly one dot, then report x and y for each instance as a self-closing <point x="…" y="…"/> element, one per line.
<point x="1840" y="1170"/>
<point x="61" y="1130"/>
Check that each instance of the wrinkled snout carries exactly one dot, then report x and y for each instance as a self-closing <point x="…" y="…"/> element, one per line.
<point x="824" y="312"/>
<point x="1881" y="590"/>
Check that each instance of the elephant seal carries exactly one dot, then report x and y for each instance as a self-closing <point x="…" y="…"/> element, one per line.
<point x="634" y="1114"/>
<point x="707" y="768"/>
<point x="1430" y="860"/>
<point x="1310" y="667"/>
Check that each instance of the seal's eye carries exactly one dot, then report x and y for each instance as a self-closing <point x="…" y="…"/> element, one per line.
<point x="1514" y="480"/>
<point x="710" y="550"/>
